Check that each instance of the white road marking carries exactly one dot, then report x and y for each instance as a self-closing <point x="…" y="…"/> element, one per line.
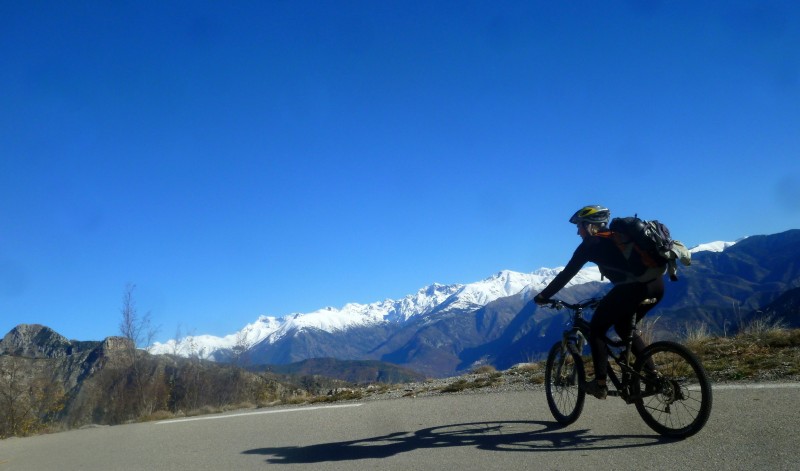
<point x="272" y="411"/>
<point x="755" y="386"/>
<point x="716" y="387"/>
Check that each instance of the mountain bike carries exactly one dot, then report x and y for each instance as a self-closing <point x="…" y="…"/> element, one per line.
<point x="666" y="382"/>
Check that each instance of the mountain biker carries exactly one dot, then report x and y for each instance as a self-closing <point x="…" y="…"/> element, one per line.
<point x="626" y="297"/>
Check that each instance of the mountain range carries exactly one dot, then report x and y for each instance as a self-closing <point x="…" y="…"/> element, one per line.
<point x="444" y="329"/>
<point x="434" y="300"/>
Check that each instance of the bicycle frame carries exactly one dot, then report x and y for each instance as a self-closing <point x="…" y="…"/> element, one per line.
<point x="575" y="338"/>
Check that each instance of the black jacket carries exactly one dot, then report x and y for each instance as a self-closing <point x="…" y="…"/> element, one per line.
<point x="604" y="252"/>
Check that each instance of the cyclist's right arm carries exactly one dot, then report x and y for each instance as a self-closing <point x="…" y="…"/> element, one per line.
<point x="578" y="260"/>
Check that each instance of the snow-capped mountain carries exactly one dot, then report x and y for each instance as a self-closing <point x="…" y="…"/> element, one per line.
<point x="435" y="298"/>
<point x="712" y="246"/>
<point x="432" y="300"/>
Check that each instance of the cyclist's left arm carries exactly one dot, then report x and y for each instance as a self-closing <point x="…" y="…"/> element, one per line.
<point x="578" y="260"/>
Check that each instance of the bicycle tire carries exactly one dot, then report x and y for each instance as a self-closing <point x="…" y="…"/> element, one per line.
<point x="563" y="376"/>
<point x="676" y="403"/>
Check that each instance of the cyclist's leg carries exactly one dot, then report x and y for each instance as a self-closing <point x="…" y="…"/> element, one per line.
<point x="603" y="319"/>
<point x="616" y="310"/>
<point x="638" y="292"/>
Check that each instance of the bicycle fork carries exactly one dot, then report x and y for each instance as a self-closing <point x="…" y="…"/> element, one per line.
<point x="574" y="341"/>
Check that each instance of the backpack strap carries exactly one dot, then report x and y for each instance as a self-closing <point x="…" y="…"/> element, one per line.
<point x="623" y="242"/>
<point x="627" y="246"/>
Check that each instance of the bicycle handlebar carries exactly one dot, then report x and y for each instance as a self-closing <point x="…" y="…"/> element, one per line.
<point x="558" y="304"/>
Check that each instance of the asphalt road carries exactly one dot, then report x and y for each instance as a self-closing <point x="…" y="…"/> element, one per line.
<point x="750" y="428"/>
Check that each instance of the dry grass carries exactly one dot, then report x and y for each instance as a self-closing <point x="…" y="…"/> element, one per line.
<point x="647" y="329"/>
<point x="772" y="354"/>
<point x="532" y="371"/>
<point x="768" y="324"/>
<point x="696" y="334"/>
<point x="482" y="381"/>
<point x="338" y="395"/>
<point x="765" y="351"/>
<point x="158" y="415"/>
<point x="484" y="369"/>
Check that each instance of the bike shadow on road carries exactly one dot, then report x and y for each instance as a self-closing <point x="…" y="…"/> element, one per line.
<point x="512" y="436"/>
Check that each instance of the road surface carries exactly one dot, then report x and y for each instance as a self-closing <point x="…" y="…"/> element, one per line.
<point x="750" y="428"/>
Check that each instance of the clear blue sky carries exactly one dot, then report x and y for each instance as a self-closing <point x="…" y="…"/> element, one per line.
<point x="234" y="159"/>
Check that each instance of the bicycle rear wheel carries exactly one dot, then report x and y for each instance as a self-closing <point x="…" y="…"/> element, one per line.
<point x="563" y="376"/>
<point x="676" y="399"/>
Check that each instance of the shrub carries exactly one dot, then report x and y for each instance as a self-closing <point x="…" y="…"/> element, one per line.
<point x="484" y="369"/>
<point x="696" y="335"/>
<point x="763" y="325"/>
<point x="158" y="415"/>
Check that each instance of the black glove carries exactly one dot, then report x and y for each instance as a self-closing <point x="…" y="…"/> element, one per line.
<point x="538" y="299"/>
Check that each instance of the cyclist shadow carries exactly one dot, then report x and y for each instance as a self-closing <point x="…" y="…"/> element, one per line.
<point x="518" y="436"/>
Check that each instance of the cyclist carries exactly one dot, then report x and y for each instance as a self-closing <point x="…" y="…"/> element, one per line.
<point x="618" y="305"/>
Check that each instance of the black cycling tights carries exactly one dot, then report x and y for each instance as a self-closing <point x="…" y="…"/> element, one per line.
<point x="615" y="310"/>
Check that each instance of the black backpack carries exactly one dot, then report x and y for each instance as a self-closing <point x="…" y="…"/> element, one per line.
<point x="653" y="243"/>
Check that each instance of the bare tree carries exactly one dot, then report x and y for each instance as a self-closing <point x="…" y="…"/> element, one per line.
<point x="241" y="347"/>
<point x="176" y="346"/>
<point x="132" y="326"/>
<point x="138" y="330"/>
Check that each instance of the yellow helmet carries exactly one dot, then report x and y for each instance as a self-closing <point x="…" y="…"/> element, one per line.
<point x="593" y="214"/>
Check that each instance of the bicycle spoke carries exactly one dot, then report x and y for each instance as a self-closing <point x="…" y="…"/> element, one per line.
<point x="563" y="374"/>
<point x="677" y="400"/>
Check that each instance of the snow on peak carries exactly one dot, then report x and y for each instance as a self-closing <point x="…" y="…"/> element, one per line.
<point x="430" y="299"/>
<point x="508" y="283"/>
<point x="586" y="275"/>
<point x="502" y="284"/>
<point x="718" y="246"/>
<point x="329" y="319"/>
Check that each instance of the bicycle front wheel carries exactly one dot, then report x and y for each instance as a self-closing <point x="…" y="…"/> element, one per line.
<point x="676" y="397"/>
<point x="563" y="376"/>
